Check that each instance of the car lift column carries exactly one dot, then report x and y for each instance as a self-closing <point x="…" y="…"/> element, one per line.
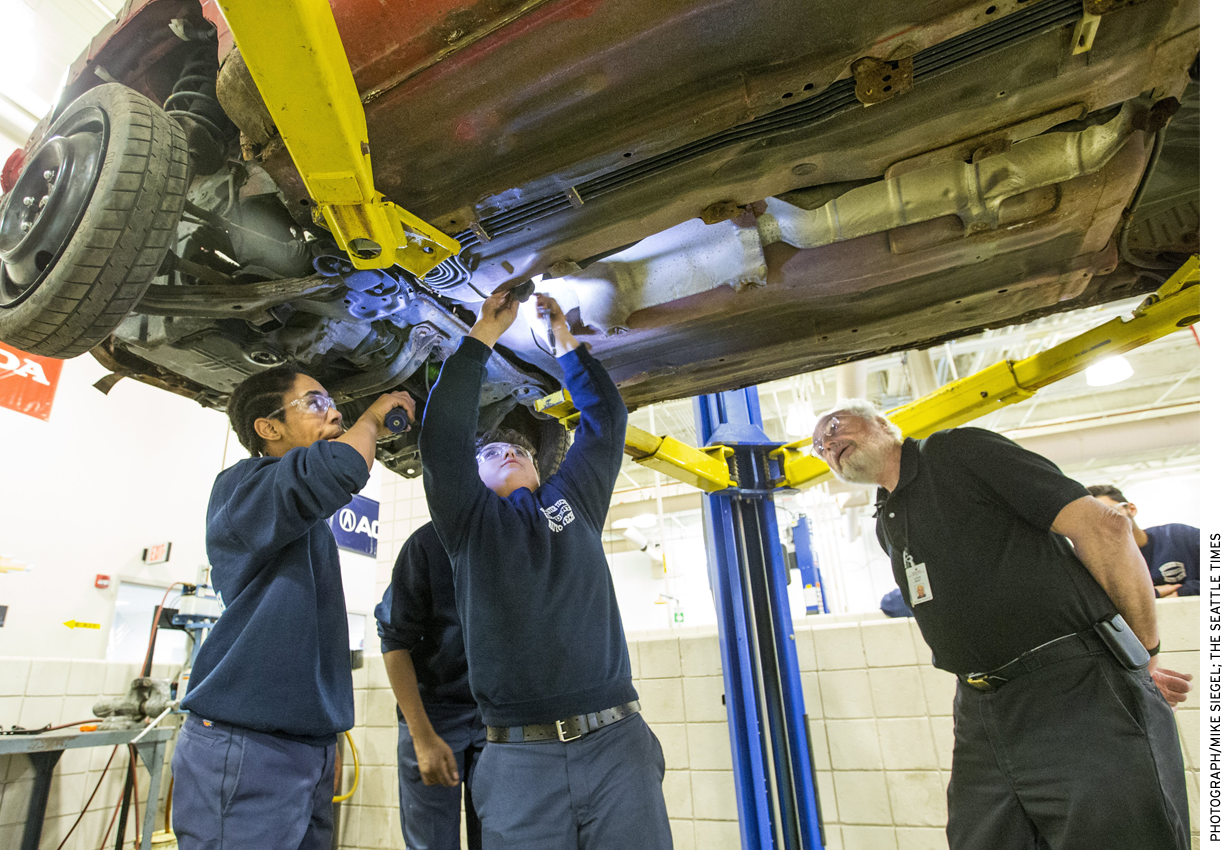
<point x="775" y="784"/>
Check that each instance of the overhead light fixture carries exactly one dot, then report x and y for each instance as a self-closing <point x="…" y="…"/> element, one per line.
<point x="1112" y="370"/>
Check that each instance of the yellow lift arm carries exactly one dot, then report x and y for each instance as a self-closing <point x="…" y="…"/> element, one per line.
<point x="296" y="57"/>
<point x="1176" y="305"/>
<point x="703" y="468"/>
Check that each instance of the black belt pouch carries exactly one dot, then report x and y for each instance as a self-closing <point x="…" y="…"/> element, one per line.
<point x="1122" y="642"/>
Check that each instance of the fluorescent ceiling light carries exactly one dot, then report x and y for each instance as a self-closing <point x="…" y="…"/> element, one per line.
<point x="1112" y="370"/>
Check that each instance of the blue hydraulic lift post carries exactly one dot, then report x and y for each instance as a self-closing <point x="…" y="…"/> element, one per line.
<point x="809" y="570"/>
<point x="775" y="784"/>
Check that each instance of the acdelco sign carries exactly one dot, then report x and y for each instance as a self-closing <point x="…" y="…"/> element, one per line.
<point x="356" y="526"/>
<point x="28" y="382"/>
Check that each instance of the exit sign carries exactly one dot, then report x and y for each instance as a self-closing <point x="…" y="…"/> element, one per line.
<point x="159" y="553"/>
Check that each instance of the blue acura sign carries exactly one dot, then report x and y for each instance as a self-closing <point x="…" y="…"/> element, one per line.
<point x="355" y="526"/>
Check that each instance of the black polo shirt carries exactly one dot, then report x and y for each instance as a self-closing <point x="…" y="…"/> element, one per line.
<point x="977" y="509"/>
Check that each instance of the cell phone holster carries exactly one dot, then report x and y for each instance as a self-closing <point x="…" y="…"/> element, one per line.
<point x="1122" y="642"/>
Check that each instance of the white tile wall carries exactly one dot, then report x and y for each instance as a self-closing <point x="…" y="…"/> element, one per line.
<point x="906" y="743"/>
<point x="918" y="798"/>
<point x="703" y="699"/>
<point x="897" y="692"/>
<point x="709" y="746"/>
<point x="838" y="647"/>
<point x="854" y="745"/>
<point x="659" y="659"/>
<point x="846" y="693"/>
<point x="889" y="643"/>
<point x="862" y="796"/>
<point x="700" y="656"/>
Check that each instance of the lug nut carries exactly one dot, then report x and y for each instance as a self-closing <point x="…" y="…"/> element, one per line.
<point x="49" y="175"/>
<point x="25" y="227"/>
<point x="28" y="200"/>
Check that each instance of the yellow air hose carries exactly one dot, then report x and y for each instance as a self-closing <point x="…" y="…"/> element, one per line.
<point x="355" y="787"/>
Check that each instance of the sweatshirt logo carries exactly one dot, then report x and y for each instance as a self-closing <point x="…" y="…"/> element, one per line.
<point x="558" y="515"/>
<point x="1173" y="571"/>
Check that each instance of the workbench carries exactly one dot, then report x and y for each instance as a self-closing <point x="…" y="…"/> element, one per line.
<point x="45" y="750"/>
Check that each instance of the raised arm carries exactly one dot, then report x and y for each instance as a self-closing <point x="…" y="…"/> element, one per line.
<point x="362" y="435"/>
<point x="592" y="465"/>
<point x="450" y="423"/>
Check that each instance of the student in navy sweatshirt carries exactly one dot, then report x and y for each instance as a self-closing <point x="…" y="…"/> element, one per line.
<point x="569" y="761"/>
<point x="271" y="687"/>
<point x="439" y="734"/>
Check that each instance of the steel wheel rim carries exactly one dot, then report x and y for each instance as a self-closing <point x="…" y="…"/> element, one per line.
<point x="42" y="212"/>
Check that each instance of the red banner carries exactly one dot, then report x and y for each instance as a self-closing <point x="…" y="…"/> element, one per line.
<point x="28" y="382"/>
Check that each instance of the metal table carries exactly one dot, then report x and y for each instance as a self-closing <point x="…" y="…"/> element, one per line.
<point x="45" y="750"/>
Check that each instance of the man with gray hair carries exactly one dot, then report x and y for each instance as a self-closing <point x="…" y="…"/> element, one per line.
<point x="1062" y="737"/>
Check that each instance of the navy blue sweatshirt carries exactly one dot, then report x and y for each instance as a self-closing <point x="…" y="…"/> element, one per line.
<point x="278" y="659"/>
<point x="542" y="628"/>
<point x="419" y="613"/>
<point x="1173" y="556"/>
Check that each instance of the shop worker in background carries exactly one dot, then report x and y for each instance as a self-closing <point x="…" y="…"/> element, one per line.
<point x="569" y="763"/>
<point x="271" y="688"/>
<point x="1171" y="551"/>
<point x="439" y="734"/>
<point x="1059" y="744"/>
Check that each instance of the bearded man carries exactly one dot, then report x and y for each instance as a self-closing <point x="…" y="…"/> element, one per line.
<point x="1035" y="595"/>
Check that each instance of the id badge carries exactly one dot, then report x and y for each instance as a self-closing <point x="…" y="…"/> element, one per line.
<point x="919" y="583"/>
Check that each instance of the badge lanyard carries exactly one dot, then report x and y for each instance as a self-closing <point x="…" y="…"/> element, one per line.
<point x="916" y="578"/>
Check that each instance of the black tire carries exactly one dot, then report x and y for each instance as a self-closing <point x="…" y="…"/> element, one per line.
<point x="549" y="438"/>
<point x="102" y="244"/>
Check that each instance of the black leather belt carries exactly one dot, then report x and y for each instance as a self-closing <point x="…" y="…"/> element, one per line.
<point x="1061" y="649"/>
<point x="568" y="729"/>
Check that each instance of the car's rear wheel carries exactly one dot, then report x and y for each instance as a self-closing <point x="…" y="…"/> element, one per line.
<point x="549" y="438"/>
<point x="89" y="221"/>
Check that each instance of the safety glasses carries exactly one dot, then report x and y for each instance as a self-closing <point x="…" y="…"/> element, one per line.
<point x="314" y="403"/>
<point x="491" y="451"/>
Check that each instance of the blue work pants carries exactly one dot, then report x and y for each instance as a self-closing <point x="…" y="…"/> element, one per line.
<point x="431" y="814"/>
<point x="600" y="792"/>
<point x="236" y="788"/>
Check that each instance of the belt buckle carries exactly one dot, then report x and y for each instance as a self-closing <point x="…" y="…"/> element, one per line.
<point x="981" y="681"/>
<point x="559" y="730"/>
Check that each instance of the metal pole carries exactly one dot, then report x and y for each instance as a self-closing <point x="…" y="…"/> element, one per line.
<point x="774" y="773"/>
